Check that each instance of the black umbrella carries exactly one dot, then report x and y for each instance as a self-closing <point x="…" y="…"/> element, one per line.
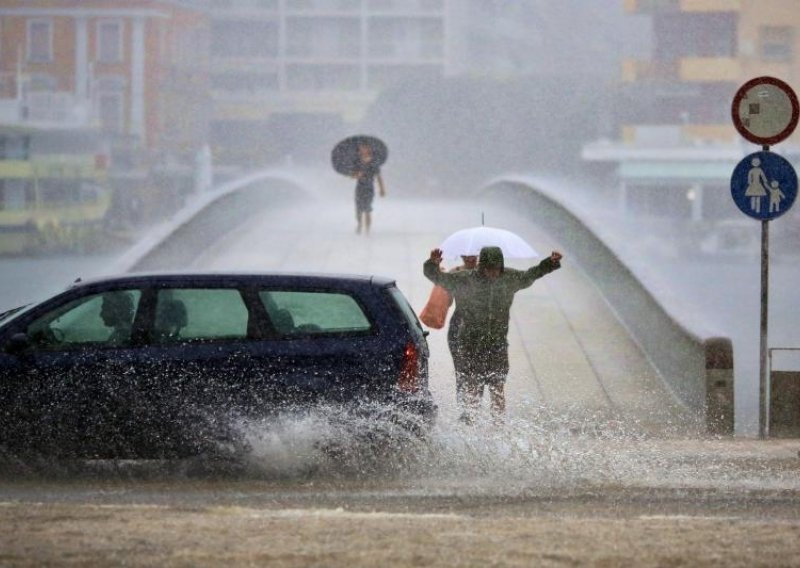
<point x="344" y="156"/>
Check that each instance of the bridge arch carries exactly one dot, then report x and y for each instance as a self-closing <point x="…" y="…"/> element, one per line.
<point x="210" y="215"/>
<point x="695" y="364"/>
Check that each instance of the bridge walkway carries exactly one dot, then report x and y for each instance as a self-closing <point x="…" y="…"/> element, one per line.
<point x="568" y="352"/>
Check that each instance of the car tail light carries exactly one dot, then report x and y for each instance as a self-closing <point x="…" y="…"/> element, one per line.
<point x="408" y="381"/>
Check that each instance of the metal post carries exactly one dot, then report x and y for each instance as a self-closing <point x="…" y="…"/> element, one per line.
<point x="763" y="403"/>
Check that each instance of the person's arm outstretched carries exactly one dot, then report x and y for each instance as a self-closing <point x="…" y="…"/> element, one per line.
<point x="548" y="265"/>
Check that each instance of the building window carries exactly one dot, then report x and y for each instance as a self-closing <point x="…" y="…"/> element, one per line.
<point x="110" y="103"/>
<point x="40" y="82"/>
<point x="40" y="41"/>
<point x="109" y="41"/>
<point x="14" y="147"/>
<point x="14" y="194"/>
<point x="237" y="39"/>
<point x="322" y="77"/>
<point x="431" y="5"/>
<point x="234" y="81"/>
<point x="776" y="43"/>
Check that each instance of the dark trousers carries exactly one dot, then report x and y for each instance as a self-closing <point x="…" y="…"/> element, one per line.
<point x="456" y="353"/>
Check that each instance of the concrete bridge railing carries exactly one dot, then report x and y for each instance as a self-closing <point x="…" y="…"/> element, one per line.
<point x="696" y="366"/>
<point x="201" y="224"/>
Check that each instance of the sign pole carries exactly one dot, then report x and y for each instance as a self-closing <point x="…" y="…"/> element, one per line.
<point x="763" y="383"/>
<point x="763" y="390"/>
<point x="765" y="111"/>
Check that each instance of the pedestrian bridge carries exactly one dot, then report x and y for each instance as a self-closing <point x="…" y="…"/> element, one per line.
<point x="587" y="338"/>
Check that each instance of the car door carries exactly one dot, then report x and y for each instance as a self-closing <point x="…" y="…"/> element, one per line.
<point x="198" y="369"/>
<point x="61" y="390"/>
<point x="323" y="346"/>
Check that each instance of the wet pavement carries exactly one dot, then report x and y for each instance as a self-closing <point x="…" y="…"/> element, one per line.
<point x="508" y="497"/>
<point x="594" y="464"/>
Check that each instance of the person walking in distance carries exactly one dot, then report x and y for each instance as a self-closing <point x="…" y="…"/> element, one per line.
<point x="484" y="297"/>
<point x="366" y="172"/>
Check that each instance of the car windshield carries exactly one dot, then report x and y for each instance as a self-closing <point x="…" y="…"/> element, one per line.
<point x="8" y="315"/>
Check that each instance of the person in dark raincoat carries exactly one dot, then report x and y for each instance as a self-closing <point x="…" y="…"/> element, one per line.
<point x="366" y="172"/>
<point x="484" y="297"/>
<point x="469" y="262"/>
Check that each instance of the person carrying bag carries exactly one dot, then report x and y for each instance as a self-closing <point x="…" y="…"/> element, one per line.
<point x="434" y="313"/>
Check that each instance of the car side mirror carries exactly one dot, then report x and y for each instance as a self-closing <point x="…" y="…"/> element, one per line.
<point x="17" y="343"/>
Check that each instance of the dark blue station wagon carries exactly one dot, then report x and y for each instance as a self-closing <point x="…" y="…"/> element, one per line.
<point x="156" y="365"/>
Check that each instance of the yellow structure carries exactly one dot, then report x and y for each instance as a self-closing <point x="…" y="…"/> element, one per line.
<point x="54" y="190"/>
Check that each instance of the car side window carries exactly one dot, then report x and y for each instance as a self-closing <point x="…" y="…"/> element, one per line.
<point x="302" y="313"/>
<point x="199" y="314"/>
<point x="104" y="319"/>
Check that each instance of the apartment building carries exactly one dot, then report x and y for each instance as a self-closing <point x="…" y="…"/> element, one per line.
<point x="134" y="69"/>
<point x="677" y="146"/>
<point x="286" y="72"/>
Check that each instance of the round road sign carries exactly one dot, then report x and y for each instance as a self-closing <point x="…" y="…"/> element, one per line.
<point x="765" y="110"/>
<point x="764" y="185"/>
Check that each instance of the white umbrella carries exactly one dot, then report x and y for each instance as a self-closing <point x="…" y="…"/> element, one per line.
<point x="469" y="242"/>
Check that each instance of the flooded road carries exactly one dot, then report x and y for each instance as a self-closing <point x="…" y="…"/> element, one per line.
<point x="522" y="494"/>
<point x="594" y="465"/>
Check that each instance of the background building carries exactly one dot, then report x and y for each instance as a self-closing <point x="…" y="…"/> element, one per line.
<point x="286" y="75"/>
<point x="122" y="66"/>
<point x="678" y="146"/>
<point x="502" y="39"/>
<point x="131" y="76"/>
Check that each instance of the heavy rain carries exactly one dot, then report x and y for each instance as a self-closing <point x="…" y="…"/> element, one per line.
<point x="652" y="413"/>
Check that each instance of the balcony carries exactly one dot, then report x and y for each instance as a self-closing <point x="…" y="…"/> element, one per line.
<point x="709" y="69"/>
<point x="45" y="109"/>
<point x="405" y="52"/>
<point x="226" y="6"/>
<point x="407" y="6"/>
<point x="650" y="6"/>
<point x="653" y="6"/>
<point x="328" y="7"/>
<point x="689" y="70"/>
<point x="635" y="70"/>
<point x="710" y="5"/>
<point x="350" y="104"/>
<point x="679" y="135"/>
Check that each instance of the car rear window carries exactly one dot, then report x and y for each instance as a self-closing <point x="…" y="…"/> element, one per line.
<point x="407" y="311"/>
<point x="302" y="313"/>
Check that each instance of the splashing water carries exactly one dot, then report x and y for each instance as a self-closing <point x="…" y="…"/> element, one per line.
<point x="546" y="452"/>
<point x="539" y="452"/>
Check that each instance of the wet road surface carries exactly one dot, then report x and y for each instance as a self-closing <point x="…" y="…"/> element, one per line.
<point x="594" y="465"/>
<point x="576" y="501"/>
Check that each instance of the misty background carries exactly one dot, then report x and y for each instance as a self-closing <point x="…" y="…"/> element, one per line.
<point x="121" y="114"/>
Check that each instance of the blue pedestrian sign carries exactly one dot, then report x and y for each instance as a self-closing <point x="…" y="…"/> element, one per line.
<point x="764" y="185"/>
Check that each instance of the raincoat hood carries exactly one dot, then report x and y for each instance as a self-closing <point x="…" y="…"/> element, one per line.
<point x="491" y="257"/>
